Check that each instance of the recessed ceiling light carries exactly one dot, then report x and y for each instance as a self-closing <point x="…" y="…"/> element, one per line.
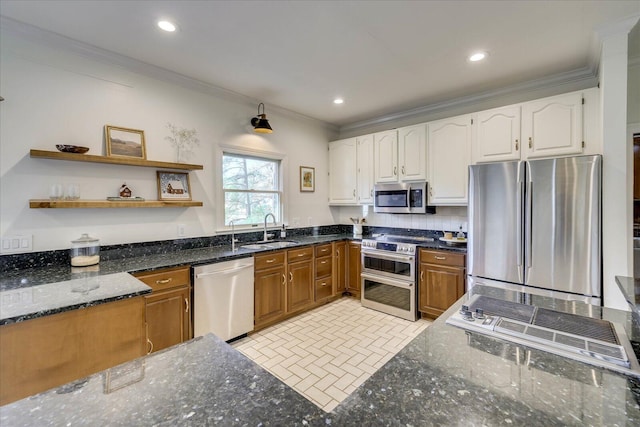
<point x="478" y="56"/>
<point x="167" y="26"/>
<point x="338" y="101"/>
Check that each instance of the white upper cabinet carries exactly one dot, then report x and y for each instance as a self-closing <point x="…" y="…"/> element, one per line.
<point x="448" y="158"/>
<point x="400" y="155"/>
<point x="365" y="176"/>
<point x="552" y="126"/>
<point x="386" y="156"/>
<point x="412" y="153"/>
<point x="496" y="135"/>
<point x="343" y="172"/>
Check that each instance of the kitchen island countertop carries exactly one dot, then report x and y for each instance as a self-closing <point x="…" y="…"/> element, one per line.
<point x="443" y="377"/>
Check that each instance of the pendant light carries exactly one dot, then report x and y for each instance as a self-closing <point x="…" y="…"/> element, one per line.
<point x="260" y="123"/>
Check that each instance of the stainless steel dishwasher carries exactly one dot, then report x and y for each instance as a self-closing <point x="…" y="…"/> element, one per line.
<point x="223" y="299"/>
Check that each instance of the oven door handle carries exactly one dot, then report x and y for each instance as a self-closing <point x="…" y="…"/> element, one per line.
<point x="388" y="256"/>
<point x="387" y="281"/>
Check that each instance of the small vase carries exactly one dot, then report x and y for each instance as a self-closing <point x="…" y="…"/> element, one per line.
<point x="180" y="155"/>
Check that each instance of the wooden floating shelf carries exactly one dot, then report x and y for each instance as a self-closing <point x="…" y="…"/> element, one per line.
<point x="99" y="204"/>
<point x="127" y="161"/>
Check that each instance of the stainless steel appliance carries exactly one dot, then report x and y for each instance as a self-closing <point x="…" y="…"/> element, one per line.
<point x="223" y="299"/>
<point x="388" y="278"/>
<point x="537" y="223"/>
<point x="401" y="198"/>
<point x="594" y="341"/>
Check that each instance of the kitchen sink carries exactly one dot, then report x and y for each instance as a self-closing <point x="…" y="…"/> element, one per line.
<point x="270" y="245"/>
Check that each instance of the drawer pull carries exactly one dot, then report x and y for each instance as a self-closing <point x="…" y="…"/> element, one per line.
<point x="323" y="284"/>
<point x="323" y="262"/>
<point x="301" y="254"/>
<point x="269" y="261"/>
<point x="163" y="281"/>
<point x="440" y="257"/>
<point x="186" y="305"/>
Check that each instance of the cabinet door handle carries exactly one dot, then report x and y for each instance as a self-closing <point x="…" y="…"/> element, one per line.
<point x="516" y="145"/>
<point x="269" y="261"/>
<point x="186" y="305"/>
<point x="440" y="257"/>
<point x="284" y="279"/>
<point x="395" y="170"/>
<point x="163" y="281"/>
<point x="150" y="346"/>
<point x="530" y="142"/>
<point x="354" y="193"/>
<point x="422" y="275"/>
<point x="371" y="192"/>
<point x="337" y="252"/>
<point x="403" y="170"/>
<point x="291" y="277"/>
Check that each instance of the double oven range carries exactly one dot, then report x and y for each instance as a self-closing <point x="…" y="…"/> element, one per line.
<point x="388" y="279"/>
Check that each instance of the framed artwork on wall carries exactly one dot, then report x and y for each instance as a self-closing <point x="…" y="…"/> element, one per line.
<point x="307" y="179"/>
<point x="123" y="142"/>
<point x="173" y="186"/>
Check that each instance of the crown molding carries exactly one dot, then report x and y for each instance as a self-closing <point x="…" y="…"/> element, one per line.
<point x="58" y="41"/>
<point x="563" y="82"/>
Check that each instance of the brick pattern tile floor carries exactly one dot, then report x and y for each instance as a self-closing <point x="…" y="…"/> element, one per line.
<point x="326" y="353"/>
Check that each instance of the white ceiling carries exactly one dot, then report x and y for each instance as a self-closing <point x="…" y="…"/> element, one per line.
<point x="382" y="57"/>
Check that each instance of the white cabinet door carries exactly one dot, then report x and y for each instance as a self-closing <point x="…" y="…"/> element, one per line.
<point x="497" y="135"/>
<point x="386" y="156"/>
<point x="412" y="153"/>
<point x="448" y="157"/>
<point x="342" y="172"/>
<point x="552" y="126"/>
<point x="365" y="177"/>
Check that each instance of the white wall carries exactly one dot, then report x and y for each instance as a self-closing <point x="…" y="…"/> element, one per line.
<point x="56" y="94"/>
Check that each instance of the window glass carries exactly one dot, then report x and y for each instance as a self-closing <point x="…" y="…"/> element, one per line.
<point x="251" y="188"/>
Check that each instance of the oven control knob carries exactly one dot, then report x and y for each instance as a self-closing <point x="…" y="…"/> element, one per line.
<point x="479" y="313"/>
<point x="466" y="315"/>
<point x="411" y="249"/>
<point x="464" y="308"/>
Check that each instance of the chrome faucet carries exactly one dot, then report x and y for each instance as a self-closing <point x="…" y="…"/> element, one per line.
<point x="266" y="236"/>
<point x="233" y="233"/>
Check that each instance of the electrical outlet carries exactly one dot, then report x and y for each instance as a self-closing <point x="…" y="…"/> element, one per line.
<point x="17" y="244"/>
<point x="181" y="230"/>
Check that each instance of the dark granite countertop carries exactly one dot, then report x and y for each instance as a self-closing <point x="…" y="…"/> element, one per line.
<point x="17" y="286"/>
<point x="445" y="376"/>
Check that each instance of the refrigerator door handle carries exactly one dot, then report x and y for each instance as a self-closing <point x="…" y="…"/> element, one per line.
<point x="529" y="222"/>
<point x="519" y="224"/>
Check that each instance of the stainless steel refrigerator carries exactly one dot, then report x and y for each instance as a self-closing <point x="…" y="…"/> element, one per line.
<point x="537" y="223"/>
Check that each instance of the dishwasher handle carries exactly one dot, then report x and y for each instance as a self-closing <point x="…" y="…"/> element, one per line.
<point x="224" y="271"/>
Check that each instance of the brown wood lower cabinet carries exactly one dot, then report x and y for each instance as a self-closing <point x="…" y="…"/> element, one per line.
<point x="300" y="287"/>
<point x="441" y="281"/>
<point x="38" y="354"/>
<point x="270" y="272"/>
<point x="168" y="307"/>
<point x="353" y="277"/>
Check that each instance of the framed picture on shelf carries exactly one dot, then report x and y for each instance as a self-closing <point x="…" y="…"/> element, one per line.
<point x="123" y="142"/>
<point x="307" y="179"/>
<point x="173" y="186"/>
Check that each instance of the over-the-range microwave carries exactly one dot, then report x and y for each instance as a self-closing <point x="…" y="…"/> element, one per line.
<point x="407" y="198"/>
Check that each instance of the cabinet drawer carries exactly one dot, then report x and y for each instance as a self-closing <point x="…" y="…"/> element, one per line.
<point x="323" y="266"/>
<point x="165" y="279"/>
<point x="323" y="250"/>
<point x="442" y="258"/>
<point x="302" y="254"/>
<point x="324" y="288"/>
<point x="269" y="260"/>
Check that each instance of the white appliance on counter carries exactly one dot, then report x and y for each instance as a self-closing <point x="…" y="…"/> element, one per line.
<point x="223" y="299"/>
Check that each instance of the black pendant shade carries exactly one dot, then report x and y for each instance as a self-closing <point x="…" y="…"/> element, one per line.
<point x="260" y="123"/>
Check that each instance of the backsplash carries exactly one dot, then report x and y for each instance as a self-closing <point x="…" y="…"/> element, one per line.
<point x="446" y="218"/>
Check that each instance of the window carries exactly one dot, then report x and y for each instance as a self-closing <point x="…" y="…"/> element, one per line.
<point x="251" y="188"/>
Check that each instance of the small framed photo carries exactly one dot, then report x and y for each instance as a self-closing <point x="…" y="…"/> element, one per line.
<point x="307" y="178"/>
<point x="123" y="142"/>
<point x="173" y="186"/>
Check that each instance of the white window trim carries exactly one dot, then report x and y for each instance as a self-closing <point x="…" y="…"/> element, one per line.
<point x="219" y="196"/>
